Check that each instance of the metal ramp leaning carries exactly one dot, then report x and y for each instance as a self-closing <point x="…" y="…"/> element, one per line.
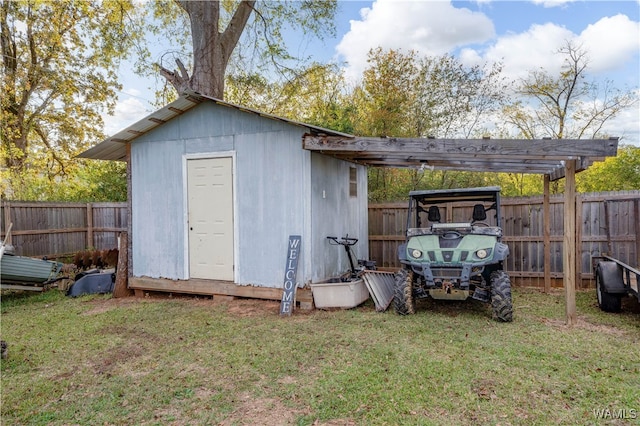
<point x="380" y="285"/>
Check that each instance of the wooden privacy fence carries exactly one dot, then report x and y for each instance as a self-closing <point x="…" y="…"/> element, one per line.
<point x="609" y="223"/>
<point x="60" y="229"/>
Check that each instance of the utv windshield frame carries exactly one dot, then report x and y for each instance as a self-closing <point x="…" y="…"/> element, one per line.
<point x="420" y="201"/>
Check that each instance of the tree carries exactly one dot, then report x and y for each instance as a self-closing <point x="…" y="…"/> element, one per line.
<point x="566" y="105"/>
<point x="59" y="63"/>
<point x="316" y="95"/>
<point x="618" y="173"/>
<point x="217" y="28"/>
<point x="387" y="94"/>
<point x="402" y="95"/>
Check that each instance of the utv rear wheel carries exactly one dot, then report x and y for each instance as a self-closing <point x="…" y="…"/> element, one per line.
<point x="501" y="296"/>
<point x="403" y="299"/>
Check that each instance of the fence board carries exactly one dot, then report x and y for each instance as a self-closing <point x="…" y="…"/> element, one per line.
<point x="60" y="229"/>
<point x="523" y="227"/>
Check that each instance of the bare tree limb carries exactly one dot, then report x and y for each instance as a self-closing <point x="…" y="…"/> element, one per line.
<point x="179" y="78"/>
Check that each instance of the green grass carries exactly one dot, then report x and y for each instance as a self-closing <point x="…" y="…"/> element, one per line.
<point x="187" y="361"/>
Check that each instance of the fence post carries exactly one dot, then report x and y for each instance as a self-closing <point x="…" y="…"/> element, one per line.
<point x="578" y="240"/>
<point x="569" y="242"/>
<point x="89" y="225"/>
<point x="7" y="220"/>
<point x="121" y="288"/>
<point x="546" y="219"/>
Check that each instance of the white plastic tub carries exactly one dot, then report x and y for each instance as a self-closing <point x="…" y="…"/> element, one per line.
<point x="339" y="294"/>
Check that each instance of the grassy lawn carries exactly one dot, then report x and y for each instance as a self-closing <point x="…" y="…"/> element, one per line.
<point x="188" y="361"/>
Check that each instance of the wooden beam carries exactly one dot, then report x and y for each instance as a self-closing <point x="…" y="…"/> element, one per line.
<point x="546" y="213"/>
<point x="20" y="287"/>
<point x="63" y="231"/>
<point x="569" y="246"/>
<point x="541" y="149"/>
<point x="89" y="225"/>
<point x="214" y="287"/>
<point x="578" y="237"/>
<point x="583" y="164"/>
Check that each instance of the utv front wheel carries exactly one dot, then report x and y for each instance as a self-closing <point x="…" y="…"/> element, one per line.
<point x="403" y="299"/>
<point x="501" y="296"/>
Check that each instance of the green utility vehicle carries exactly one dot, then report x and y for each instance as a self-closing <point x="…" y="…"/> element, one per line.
<point x="448" y="255"/>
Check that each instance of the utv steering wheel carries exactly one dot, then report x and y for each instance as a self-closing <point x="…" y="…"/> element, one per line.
<point x="481" y="223"/>
<point x="451" y="235"/>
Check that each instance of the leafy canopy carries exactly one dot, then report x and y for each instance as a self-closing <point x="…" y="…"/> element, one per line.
<point x="59" y="74"/>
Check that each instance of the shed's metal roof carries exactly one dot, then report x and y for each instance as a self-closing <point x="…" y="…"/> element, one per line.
<point x="114" y="147"/>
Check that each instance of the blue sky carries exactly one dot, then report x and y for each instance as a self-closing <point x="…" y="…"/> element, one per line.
<point x="520" y="34"/>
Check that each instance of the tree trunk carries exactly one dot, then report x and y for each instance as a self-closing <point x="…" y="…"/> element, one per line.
<point x="211" y="48"/>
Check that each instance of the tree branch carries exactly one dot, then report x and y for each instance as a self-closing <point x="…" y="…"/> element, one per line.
<point x="181" y="81"/>
<point x="236" y="26"/>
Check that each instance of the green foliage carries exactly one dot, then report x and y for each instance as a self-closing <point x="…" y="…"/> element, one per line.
<point x="386" y="96"/>
<point x="314" y="95"/>
<point x="613" y="174"/>
<point x="405" y="96"/>
<point x="59" y="74"/>
<point x="85" y="181"/>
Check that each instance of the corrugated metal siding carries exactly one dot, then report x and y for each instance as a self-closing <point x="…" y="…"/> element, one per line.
<point x="157" y="210"/>
<point x="335" y="213"/>
<point x="271" y="187"/>
<point x="272" y="183"/>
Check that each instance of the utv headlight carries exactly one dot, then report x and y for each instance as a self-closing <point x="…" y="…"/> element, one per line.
<point x="416" y="253"/>
<point x="481" y="254"/>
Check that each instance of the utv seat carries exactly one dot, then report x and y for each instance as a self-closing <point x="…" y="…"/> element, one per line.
<point x="434" y="214"/>
<point x="479" y="213"/>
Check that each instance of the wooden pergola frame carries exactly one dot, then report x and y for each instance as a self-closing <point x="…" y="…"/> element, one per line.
<point x="553" y="158"/>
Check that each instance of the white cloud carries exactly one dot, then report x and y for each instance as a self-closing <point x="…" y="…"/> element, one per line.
<point x="531" y="50"/>
<point x="552" y="3"/>
<point x="626" y="125"/>
<point x="610" y="42"/>
<point x="127" y="112"/>
<point x="433" y="27"/>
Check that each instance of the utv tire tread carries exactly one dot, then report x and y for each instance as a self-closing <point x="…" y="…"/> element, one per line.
<point x="403" y="300"/>
<point x="501" y="302"/>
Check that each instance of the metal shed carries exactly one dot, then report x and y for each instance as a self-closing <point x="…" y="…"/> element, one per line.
<point x="216" y="190"/>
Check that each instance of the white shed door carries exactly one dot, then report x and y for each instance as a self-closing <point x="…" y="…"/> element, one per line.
<point x="210" y="196"/>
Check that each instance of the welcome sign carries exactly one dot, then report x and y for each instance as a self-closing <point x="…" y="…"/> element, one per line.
<point x="291" y="270"/>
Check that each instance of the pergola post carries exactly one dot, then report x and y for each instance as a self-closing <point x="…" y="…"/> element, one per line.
<point x="546" y="217"/>
<point x="569" y="242"/>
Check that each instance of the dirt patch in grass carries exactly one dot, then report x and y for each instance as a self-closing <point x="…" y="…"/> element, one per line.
<point x="116" y="356"/>
<point x="262" y="411"/>
<point x="253" y="307"/>
<point x="100" y="306"/>
<point x="271" y="412"/>
<point x="583" y="324"/>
